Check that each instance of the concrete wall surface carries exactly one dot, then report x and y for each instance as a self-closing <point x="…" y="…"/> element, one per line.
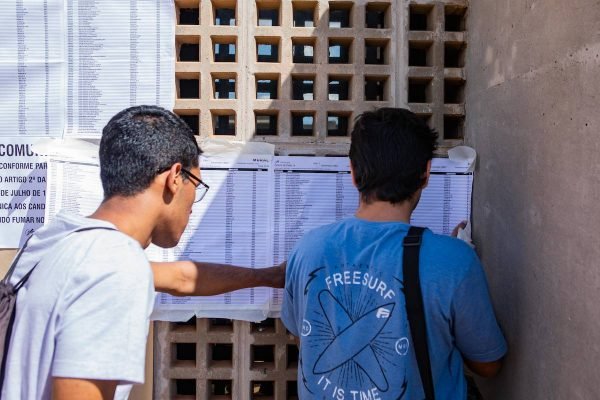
<point x="533" y="115"/>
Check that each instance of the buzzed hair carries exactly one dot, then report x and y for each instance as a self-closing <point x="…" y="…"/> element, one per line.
<point x="138" y="144"/>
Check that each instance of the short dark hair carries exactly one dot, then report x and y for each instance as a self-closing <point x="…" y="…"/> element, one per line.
<point x="138" y="144"/>
<point x="389" y="152"/>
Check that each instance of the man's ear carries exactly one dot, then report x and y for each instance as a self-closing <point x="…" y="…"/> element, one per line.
<point x="172" y="180"/>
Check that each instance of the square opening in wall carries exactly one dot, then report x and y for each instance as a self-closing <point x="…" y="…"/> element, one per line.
<point x="454" y="54"/>
<point x="220" y="388"/>
<point x="303" y="50"/>
<point x="268" y="12"/>
<point x="339" y="51"/>
<point x="267" y="49"/>
<point x="266" y="86"/>
<point x="338" y="88"/>
<point x="376" y="51"/>
<point x="188" y="85"/>
<point x="304" y="14"/>
<point x="224" y="12"/>
<point x="265" y="122"/>
<point x="454" y="19"/>
<point x="454" y="91"/>
<point x="224" y="49"/>
<point x="184" y="352"/>
<point x="223" y="122"/>
<point x="263" y="356"/>
<point x="184" y="387"/>
<point x="454" y="126"/>
<point x="292" y="390"/>
<point x="224" y="86"/>
<point x="420" y="17"/>
<point x="419" y="54"/>
<point x="221" y="354"/>
<point x="376" y="15"/>
<point x="375" y="88"/>
<point x="261" y="389"/>
<point x="192" y="119"/>
<point x="419" y="90"/>
<point x="188" y="16"/>
<point x="303" y="124"/>
<point x="188" y="49"/>
<point x="340" y="14"/>
<point x="292" y="356"/>
<point x="337" y="124"/>
<point x="303" y="87"/>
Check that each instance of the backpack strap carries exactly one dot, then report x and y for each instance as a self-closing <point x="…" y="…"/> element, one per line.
<point x="25" y="278"/>
<point x="414" y="306"/>
<point x="15" y="261"/>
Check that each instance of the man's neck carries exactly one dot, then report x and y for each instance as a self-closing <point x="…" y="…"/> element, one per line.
<point x="131" y="215"/>
<point x="383" y="211"/>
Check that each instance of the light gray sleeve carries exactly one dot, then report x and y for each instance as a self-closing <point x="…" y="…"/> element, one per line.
<point x="104" y="322"/>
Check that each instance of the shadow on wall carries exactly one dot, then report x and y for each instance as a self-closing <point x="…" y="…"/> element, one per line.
<point x="532" y="100"/>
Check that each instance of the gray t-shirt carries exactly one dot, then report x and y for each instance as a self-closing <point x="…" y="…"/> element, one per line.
<point x="84" y="313"/>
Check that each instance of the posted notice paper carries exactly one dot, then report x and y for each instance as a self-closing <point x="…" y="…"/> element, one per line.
<point x="67" y="66"/>
<point x="120" y="53"/>
<point x="22" y="191"/>
<point x="256" y="210"/>
<point x="32" y="68"/>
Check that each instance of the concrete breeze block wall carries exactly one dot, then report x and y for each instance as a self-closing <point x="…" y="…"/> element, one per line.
<point x="392" y="53"/>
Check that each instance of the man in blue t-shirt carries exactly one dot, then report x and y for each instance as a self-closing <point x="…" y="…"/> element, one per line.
<point x="344" y="295"/>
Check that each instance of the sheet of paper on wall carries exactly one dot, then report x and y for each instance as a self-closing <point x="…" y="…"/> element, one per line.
<point x="22" y="191"/>
<point x="67" y="66"/>
<point x="120" y="53"/>
<point x="32" y="68"/>
<point x="229" y="226"/>
<point x="74" y="186"/>
<point x="307" y="192"/>
<point x="447" y="199"/>
<point x="256" y="210"/>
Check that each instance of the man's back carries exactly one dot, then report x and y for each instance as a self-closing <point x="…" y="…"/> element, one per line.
<point x="344" y="300"/>
<point x="86" y="305"/>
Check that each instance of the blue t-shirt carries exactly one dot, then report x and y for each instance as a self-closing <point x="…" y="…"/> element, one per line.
<point x="344" y="300"/>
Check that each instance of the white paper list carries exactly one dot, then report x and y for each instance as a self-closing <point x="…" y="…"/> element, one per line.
<point x="446" y="201"/>
<point x="256" y="210"/>
<point x="120" y="53"/>
<point x="231" y="226"/>
<point x="74" y="187"/>
<point x="32" y="68"/>
<point x="22" y="191"/>
<point x="307" y="192"/>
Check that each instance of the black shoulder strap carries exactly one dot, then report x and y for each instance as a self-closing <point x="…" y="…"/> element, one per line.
<point x="15" y="261"/>
<point x="24" y="279"/>
<point x="414" y="306"/>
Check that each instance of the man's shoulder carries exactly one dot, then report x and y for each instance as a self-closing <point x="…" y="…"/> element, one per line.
<point x="106" y="251"/>
<point x="449" y="255"/>
<point x="320" y="235"/>
<point x="451" y="245"/>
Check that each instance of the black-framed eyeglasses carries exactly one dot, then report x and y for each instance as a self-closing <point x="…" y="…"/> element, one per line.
<point x="201" y="187"/>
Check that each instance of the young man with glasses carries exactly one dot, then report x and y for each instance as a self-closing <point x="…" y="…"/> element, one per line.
<point x="82" y="317"/>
